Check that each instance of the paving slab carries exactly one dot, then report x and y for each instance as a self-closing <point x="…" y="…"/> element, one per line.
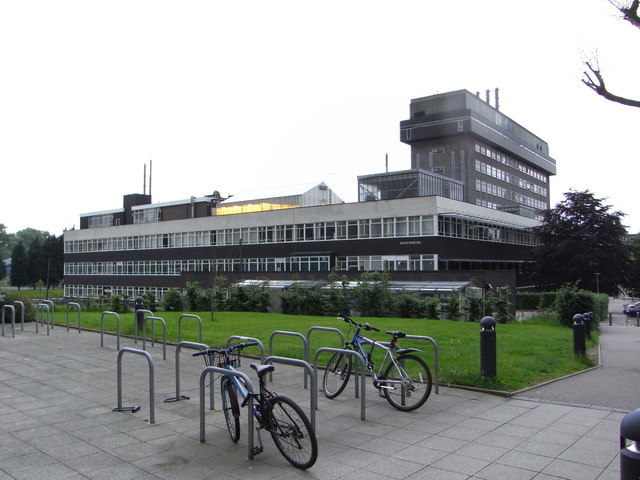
<point x="58" y="392"/>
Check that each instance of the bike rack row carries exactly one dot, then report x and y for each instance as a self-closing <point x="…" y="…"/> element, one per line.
<point x="311" y="371"/>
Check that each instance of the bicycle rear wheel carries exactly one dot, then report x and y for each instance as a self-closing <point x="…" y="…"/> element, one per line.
<point x="336" y="375"/>
<point x="230" y="408"/>
<point x="415" y="386"/>
<point x="292" y="432"/>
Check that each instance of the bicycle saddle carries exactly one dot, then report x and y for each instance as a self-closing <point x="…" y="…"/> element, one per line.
<point x="262" y="369"/>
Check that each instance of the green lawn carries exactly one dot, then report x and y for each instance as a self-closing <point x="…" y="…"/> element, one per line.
<point x="40" y="292"/>
<point x="527" y="353"/>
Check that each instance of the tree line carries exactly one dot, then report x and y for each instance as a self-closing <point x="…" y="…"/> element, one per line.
<point x="36" y="257"/>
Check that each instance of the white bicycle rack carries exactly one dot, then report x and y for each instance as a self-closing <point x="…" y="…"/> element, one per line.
<point x="179" y="347"/>
<point x="247" y="384"/>
<point x="77" y="307"/>
<point x="12" y="309"/>
<point x="120" y="408"/>
<point x="164" y="334"/>
<point x="43" y="308"/>
<point x="188" y="315"/>
<point x="107" y="314"/>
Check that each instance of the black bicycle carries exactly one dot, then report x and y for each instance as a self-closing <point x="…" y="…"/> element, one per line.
<point x="404" y="379"/>
<point x="287" y="423"/>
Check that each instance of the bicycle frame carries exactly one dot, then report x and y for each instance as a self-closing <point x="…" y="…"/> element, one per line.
<point x="358" y="340"/>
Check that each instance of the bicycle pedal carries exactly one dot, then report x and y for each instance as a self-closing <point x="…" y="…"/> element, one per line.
<point x="256" y="450"/>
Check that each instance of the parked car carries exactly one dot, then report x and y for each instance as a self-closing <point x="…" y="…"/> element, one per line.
<point x="632" y="309"/>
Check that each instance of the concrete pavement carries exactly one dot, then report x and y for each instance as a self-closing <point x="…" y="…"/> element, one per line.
<point x="57" y="394"/>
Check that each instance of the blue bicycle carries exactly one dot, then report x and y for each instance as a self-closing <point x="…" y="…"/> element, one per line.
<point x="287" y="423"/>
<point x="403" y="379"/>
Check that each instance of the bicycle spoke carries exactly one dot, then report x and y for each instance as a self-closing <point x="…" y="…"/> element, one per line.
<point x="292" y="433"/>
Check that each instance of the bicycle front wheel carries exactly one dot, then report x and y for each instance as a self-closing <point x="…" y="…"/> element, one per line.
<point x="407" y="383"/>
<point x="292" y="432"/>
<point x="336" y="376"/>
<point x="230" y="408"/>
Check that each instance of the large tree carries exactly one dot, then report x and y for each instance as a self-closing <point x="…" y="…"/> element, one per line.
<point x="19" y="266"/>
<point x="593" y="77"/>
<point x="582" y="241"/>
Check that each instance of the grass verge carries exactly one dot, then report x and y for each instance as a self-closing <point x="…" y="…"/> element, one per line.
<point x="527" y="353"/>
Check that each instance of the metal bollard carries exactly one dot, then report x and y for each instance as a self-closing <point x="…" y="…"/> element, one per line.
<point x="587" y="319"/>
<point x="579" y="346"/>
<point x="139" y="305"/>
<point x="488" y="347"/>
<point x="629" y="446"/>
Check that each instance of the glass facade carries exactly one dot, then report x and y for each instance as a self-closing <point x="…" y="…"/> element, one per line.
<point x="413" y="183"/>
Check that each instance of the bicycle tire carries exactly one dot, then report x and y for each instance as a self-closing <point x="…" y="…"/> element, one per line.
<point x="401" y="397"/>
<point x="230" y="408"/>
<point x="336" y="375"/>
<point x="292" y="432"/>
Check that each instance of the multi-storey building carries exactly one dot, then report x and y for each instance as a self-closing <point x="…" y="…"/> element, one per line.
<point x="462" y="212"/>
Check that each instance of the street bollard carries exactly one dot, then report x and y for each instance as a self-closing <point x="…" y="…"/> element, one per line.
<point x="579" y="347"/>
<point x="587" y="319"/>
<point x="139" y="305"/>
<point x="488" y="347"/>
<point x="629" y="446"/>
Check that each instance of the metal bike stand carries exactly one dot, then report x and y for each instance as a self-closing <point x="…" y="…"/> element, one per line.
<point x="314" y="383"/>
<point x="52" y="310"/>
<point x="179" y="397"/>
<point x="135" y="322"/>
<point x="248" y="386"/>
<point x="305" y="343"/>
<point x="436" y="358"/>
<point x="325" y="329"/>
<point x="77" y="307"/>
<point x="13" y="319"/>
<point x="44" y="308"/>
<point x="187" y="315"/>
<point x="246" y="339"/>
<point x="164" y="334"/>
<point x="113" y="314"/>
<point x="363" y="366"/>
<point x="16" y="303"/>
<point x="120" y="408"/>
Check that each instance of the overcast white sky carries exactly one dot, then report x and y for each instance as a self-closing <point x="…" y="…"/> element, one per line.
<point x="235" y="96"/>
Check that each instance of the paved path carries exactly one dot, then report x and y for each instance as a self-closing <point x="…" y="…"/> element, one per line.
<point x="57" y="393"/>
<point x="616" y="384"/>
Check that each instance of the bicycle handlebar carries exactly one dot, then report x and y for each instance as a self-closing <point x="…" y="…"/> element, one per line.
<point x="226" y="351"/>
<point x="365" y="326"/>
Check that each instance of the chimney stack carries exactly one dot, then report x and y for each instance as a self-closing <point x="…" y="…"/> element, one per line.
<point x="497" y="100"/>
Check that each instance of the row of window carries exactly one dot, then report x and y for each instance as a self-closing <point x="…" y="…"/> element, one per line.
<point x="101" y="221"/>
<point x="95" y="291"/>
<point x="175" y="267"/>
<point x="507" y="160"/>
<point x="501" y="192"/>
<point x="452" y="226"/>
<point x="368" y="263"/>
<point x="147" y="215"/>
<point x="414" y="226"/>
<point x="321" y="263"/>
<point x="500" y="174"/>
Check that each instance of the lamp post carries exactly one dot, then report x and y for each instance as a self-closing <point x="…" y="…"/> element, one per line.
<point x="597" y="283"/>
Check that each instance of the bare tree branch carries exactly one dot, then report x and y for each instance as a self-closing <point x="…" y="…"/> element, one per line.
<point x="595" y="82"/>
<point x="593" y="78"/>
